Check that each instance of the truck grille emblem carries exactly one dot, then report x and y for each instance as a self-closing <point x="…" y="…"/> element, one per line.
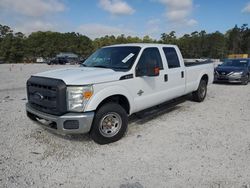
<point x="38" y="96"/>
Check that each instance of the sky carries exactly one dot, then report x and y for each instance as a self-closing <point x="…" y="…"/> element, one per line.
<point x="97" y="18"/>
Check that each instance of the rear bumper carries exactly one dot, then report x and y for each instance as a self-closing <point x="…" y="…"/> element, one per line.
<point x="70" y="123"/>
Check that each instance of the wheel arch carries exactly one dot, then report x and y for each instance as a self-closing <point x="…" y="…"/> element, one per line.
<point x="111" y="94"/>
<point x="119" y="99"/>
<point x="205" y="77"/>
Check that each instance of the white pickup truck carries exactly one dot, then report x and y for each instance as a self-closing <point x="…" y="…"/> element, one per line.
<point x="113" y="83"/>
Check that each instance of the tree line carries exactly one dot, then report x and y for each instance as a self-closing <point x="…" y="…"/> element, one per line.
<point x="15" y="47"/>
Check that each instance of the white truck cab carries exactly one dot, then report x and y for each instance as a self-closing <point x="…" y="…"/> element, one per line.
<point x="113" y="83"/>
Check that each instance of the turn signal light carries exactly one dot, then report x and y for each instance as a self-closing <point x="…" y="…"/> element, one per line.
<point x="87" y="94"/>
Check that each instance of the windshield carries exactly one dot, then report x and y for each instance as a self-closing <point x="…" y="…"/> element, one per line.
<point x="116" y="58"/>
<point x="236" y="63"/>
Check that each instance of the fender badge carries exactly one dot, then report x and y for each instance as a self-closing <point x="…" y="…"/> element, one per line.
<point x="140" y="93"/>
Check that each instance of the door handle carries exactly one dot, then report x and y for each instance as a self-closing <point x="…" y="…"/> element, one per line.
<point x="165" y="77"/>
<point x="182" y="74"/>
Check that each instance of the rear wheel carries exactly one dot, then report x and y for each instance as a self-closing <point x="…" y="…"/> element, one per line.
<point x="200" y="94"/>
<point x="110" y="124"/>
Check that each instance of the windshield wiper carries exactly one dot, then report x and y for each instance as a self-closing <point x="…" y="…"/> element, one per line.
<point x="122" y="68"/>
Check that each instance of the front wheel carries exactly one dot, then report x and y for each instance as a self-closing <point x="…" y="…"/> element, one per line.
<point x="245" y="82"/>
<point x="110" y="124"/>
<point x="200" y="94"/>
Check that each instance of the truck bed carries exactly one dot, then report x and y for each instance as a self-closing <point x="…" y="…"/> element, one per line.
<point x="195" y="70"/>
<point x="189" y="63"/>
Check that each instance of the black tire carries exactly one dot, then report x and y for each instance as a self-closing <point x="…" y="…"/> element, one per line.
<point x="200" y="94"/>
<point x="245" y="82"/>
<point x="102" y="121"/>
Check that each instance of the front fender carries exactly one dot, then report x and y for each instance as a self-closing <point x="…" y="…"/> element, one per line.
<point x="108" y="92"/>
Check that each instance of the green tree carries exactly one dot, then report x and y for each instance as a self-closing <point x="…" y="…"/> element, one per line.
<point x="245" y="45"/>
<point x="147" y="39"/>
<point x="168" y="38"/>
<point x="217" y="45"/>
<point x="15" y="47"/>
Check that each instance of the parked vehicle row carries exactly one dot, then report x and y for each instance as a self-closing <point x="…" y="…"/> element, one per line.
<point x="58" y="61"/>
<point x="113" y="83"/>
<point x="233" y="71"/>
<point x="65" y="60"/>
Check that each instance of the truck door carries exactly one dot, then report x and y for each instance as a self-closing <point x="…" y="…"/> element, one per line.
<point x="176" y="73"/>
<point x="148" y="91"/>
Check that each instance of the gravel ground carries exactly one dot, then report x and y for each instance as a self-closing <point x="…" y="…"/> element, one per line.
<point x="187" y="144"/>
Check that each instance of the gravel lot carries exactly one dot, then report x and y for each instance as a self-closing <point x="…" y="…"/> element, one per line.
<point x="184" y="145"/>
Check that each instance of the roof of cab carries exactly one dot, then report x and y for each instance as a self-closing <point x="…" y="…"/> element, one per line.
<point x="143" y="45"/>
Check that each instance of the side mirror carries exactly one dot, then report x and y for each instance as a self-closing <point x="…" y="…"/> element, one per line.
<point x="150" y="70"/>
<point x="153" y="70"/>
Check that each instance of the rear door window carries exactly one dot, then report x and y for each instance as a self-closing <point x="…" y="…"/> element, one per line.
<point x="172" y="57"/>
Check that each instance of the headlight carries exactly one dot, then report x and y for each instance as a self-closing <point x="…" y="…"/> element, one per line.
<point x="237" y="73"/>
<point x="78" y="97"/>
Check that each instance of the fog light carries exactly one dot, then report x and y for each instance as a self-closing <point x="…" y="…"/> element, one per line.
<point x="71" y="124"/>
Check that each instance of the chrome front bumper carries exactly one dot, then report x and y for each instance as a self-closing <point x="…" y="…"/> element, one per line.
<point x="70" y="123"/>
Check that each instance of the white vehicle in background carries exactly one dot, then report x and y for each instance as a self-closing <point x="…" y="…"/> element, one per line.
<point x="40" y="60"/>
<point x="113" y="83"/>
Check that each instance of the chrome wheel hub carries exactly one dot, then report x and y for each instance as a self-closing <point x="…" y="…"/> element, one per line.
<point x="110" y="124"/>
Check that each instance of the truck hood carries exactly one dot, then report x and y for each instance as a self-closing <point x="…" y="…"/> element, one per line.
<point x="82" y="75"/>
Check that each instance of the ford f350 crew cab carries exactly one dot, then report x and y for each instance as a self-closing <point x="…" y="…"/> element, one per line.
<point x="113" y="83"/>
